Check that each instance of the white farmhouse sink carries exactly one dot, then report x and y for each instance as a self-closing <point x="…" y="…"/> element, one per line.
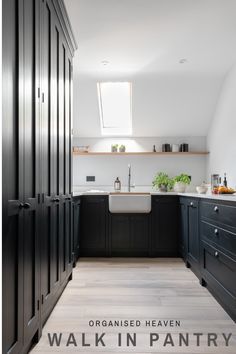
<point x="130" y="203"/>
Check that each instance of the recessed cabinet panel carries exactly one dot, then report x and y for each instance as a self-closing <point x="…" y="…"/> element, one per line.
<point x="140" y="234"/>
<point x="94" y="226"/>
<point x="76" y="226"/>
<point x="193" y="238"/>
<point x="13" y="285"/>
<point x="182" y="228"/>
<point x="164" y="234"/>
<point x="120" y="233"/>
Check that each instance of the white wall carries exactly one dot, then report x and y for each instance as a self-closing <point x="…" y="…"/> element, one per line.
<point x="107" y="168"/>
<point x="221" y="139"/>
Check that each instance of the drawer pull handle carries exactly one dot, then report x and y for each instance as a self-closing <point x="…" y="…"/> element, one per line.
<point x="216" y="232"/>
<point x="56" y="200"/>
<point x="216" y="208"/>
<point x="216" y="254"/>
<point x="24" y="206"/>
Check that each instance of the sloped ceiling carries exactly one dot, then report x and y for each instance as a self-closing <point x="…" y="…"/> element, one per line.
<point x="144" y="42"/>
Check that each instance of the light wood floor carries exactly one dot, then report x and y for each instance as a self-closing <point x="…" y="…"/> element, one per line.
<point x="139" y="289"/>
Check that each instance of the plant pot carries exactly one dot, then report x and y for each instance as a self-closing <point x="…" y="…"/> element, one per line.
<point x="114" y="149"/>
<point x="162" y="188"/>
<point x="180" y="187"/>
<point x="122" y="149"/>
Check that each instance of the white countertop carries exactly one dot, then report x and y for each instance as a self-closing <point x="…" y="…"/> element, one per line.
<point x="223" y="197"/>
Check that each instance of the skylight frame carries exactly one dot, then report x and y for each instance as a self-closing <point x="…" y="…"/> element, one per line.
<point x="114" y="130"/>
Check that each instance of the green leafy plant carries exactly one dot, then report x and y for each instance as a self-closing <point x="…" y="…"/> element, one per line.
<point x="184" y="178"/>
<point x="162" y="181"/>
<point x="122" y="148"/>
<point x="114" y="147"/>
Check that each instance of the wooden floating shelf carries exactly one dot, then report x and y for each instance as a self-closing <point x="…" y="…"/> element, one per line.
<point x="140" y="153"/>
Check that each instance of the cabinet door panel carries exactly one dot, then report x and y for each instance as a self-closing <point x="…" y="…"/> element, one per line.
<point x="50" y="211"/>
<point x="193" y="239"/>
<point x="13" y="284"/>
<point x="164" y="226"/>
<point x="183" y="228"/>
<point x="93" y="228"/>
<point x="31" y="172"/>
<point x="140" y="232"/>
<point x="120" y="233"/>
<point x="76" y="231"/>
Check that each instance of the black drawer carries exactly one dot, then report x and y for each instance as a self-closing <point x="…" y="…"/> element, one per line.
<point x="219" y="213"/>
<point x="220" y="237"/>
<point x="219" y="272"/>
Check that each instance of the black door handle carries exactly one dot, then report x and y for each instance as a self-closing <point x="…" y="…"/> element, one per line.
<point x="24" y="206"/>
<point x="68" y="198"/>
<point x="55" y="200"/>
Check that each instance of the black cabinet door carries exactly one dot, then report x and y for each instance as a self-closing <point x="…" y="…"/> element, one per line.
<point x="56" y="240"/>
<point x="12" y="168"/>
<point x="129" y="235"/>
<point x="193" y="235"/>
<point x="94" y="213"/>
<point x="139" y="238"/>
<point x="120" y="234"/>
<point x="50" y="271"/>
<point x="164" y="240"/>
<point x="66" y="229"/>
<point x="21" y="176"/>
<point x="183" y="228"/>
<point x="29" y="109"/>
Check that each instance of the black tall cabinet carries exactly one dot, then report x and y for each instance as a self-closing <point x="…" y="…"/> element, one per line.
<point x="38" y="47"/>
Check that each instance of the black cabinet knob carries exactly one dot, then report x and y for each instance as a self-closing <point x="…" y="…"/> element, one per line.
<point x="216" y="254"/>
<point x="216" y="209"/>
<point x="191" y="204"/>
<point x="216" y="232"/>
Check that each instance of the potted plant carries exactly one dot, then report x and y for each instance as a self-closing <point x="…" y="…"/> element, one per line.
<point x="162" y="182"/>
<point x="181" y="182"/>
<point x="114" y="148"/>
<point x="122" y="148"/>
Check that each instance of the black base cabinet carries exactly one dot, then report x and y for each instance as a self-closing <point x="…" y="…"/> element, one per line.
<point x="218" y="251"/>
<point x="37" y="209"/>
<point x="129" y="235"/>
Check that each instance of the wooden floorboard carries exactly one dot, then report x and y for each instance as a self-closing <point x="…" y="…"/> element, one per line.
<point x="136" y="289"/>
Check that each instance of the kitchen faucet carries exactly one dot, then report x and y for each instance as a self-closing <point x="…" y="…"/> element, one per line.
<point x="129" y="178"/>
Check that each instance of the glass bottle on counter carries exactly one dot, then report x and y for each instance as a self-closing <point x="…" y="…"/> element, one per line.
<point x="117" y="185"/>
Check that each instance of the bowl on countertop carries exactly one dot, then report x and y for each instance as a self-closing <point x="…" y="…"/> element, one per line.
<point x="201" y="189"/>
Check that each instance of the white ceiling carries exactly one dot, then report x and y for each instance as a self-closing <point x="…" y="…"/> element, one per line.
<point x="144" y="40"/>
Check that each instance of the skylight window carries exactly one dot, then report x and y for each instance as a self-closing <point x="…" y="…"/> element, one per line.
<point x="115" y="108"/>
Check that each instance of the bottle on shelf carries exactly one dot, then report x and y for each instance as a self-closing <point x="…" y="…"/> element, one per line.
<point x="225" y="183"/>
